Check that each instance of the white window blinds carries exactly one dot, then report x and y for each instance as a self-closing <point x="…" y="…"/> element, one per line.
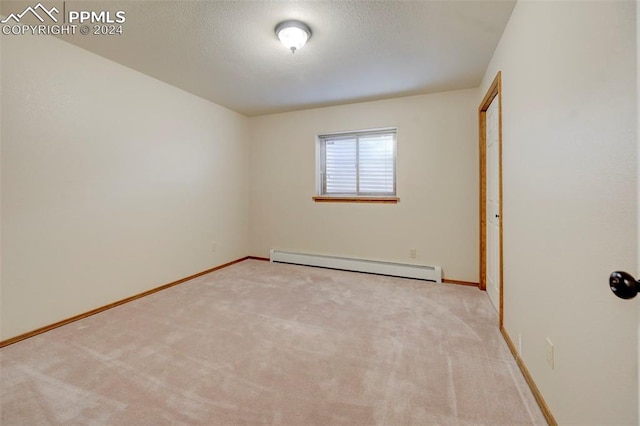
<point x="358" y="164"/>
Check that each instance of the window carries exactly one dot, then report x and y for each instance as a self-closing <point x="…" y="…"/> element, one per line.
<point x="357" y="165"/>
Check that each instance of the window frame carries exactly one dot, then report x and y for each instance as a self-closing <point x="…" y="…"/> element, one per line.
<point x="357" y="197"/>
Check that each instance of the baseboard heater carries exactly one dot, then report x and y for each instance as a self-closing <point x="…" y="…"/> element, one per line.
<point x="421" y="272"/>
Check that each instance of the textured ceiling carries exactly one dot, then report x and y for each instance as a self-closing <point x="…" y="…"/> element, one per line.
<point x="227" y="52"/>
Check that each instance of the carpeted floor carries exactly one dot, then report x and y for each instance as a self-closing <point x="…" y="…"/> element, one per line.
<point x="261" y="343"/>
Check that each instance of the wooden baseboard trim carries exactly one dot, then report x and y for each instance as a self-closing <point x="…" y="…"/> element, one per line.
<point x="527" y="376"/>
<point x="113" y="305"/>
<point x="468" y="283"/>
<point x="266" y="259"/>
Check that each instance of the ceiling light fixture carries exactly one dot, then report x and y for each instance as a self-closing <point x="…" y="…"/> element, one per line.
<point x="293" y="34"/>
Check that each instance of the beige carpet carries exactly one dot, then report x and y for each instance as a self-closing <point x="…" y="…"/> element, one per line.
<point x="260" y="343"/>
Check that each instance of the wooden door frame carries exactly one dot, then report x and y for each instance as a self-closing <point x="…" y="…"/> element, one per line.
<point x="495" y="90"/>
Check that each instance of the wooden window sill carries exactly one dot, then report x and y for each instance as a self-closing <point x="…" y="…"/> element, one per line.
<point x="381" y="200"/>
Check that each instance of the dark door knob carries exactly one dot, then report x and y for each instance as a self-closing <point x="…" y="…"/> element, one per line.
<point x="623" y="285"/>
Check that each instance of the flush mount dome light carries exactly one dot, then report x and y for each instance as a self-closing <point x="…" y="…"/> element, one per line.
<point x="293" y="34"/>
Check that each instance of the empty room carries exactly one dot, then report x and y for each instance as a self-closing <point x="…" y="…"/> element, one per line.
<point x="332" y="212"/>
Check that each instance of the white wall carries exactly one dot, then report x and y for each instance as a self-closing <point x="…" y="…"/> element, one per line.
<point x="112" y="183"/>
<point x="1" y="38"/>
<point x="570" y="201"/>
<point x="437" y="175"/>
<point x="638" y="154"/>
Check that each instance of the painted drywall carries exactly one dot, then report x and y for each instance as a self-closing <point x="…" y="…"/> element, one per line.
<point x="1" y="38"/>
<point x="570" y="201"/>
<point x="113" y="183"/>
<point x="638" y="165"/>
<point x="437" y="175"/>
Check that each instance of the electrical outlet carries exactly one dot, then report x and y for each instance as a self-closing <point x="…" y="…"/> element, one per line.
<point x="413" y="253"/>
<point x="550" y="354"/>
<point x="214" y="246"/>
